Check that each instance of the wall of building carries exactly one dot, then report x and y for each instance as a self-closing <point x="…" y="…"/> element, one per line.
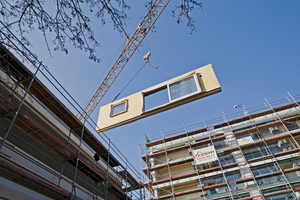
<point x="41" y="153"/>
<point x="256" y="156"/>
<point x="12" y="190"/>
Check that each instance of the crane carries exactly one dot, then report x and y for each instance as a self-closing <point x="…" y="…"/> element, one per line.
<point x="128" y="49"/>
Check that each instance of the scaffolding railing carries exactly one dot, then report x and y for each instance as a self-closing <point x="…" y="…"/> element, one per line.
<point x="153" y="162"/>
<point x="220" y="120"/>
<point x="136" y="191"/>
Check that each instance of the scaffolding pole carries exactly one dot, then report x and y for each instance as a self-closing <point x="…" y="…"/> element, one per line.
<point x="3" y="141"/>
<point x="168" y="164"/>
<point x="220" y="164"/>
<point x="126" y="180"/>
<point x="240" y="149"/>
<point x="288" y="184"/>
<point x="268" y="150"/>
<point x="37" y="150"/>
<point x="140" y="189"/>
<point x="62" y="167"/>
<point x="106" y="188"/>
<point x="77" y="161"/>
<point x="199" y="179"/>
<point x="147" y="168"/>
<point x="61" y="172"/>
<point x="254" y="126"/>
<point x="278" y="117"/>
<point x="298" y="105"/>
<point x="19" y="107"/>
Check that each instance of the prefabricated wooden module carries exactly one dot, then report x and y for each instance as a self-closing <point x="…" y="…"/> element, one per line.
<point x="169" y="94"/>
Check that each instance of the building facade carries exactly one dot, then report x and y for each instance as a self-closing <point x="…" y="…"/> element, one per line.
<point x="252" y="157"/>
<point x="46" y="152"/>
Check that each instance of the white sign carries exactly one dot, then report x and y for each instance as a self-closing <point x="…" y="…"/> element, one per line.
<point x="245" y="140"/>
<point x="205" y="155"/>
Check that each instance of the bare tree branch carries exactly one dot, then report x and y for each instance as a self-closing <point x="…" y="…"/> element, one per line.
<point x="66" y="20"/>
<point x="183" y="12"/>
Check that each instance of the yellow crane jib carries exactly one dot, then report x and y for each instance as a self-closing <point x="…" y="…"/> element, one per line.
<point x="130" y="46"/>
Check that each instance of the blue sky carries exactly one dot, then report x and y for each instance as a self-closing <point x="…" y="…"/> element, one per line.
<point x="253" y="46"/>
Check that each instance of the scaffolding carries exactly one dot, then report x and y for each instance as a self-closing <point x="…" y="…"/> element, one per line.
<point x="45" y="148"/>
<point x="257" y="156"/>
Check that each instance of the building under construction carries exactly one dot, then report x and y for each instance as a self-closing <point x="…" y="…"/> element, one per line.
<point x="46" y="152"/>
<point x="255" y="156"/>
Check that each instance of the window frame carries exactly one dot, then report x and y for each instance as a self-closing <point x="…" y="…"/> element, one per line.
<point x="167" y="86"/>
<point x="156" y="90"/>
<point x="198" y="87"/>
<point x="117" y="104"/>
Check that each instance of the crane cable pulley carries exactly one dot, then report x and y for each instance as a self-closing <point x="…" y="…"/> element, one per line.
<point x="152" y="66"/>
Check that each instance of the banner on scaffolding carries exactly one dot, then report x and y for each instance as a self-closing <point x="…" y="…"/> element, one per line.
<point x="245" y="140"/>
<point x="205" y="155"/>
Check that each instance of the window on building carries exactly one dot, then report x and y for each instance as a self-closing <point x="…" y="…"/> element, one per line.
<point x="274" y="130"/>
<point x="214" y="181"/>
<point x="221" y="189"/>
<point x="233" y="176"/>
<point x="237" y="186"/>
<point x="255" y="135"/>
<point x="279" y="146"/>
<point x="212" y="191"/>
<point x="206" y="166"/>
<point x="171" y="92"/>
<point x="226" y="159"/>
<point x="265" y="133"/>
<point x="293" y="176"/>
<point x="278" y="189"/>
<point x="183" y="88"/>
<point x="292" y="126"/>
<point x="255" y="152"/>
<point x="156" y="98"/>
<point x="288" y="164"/>
<point x="265" y="169"/>
<point x="221" y="144"/>
<point x="270" y="179"/>
<point x="119" y="108"/>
